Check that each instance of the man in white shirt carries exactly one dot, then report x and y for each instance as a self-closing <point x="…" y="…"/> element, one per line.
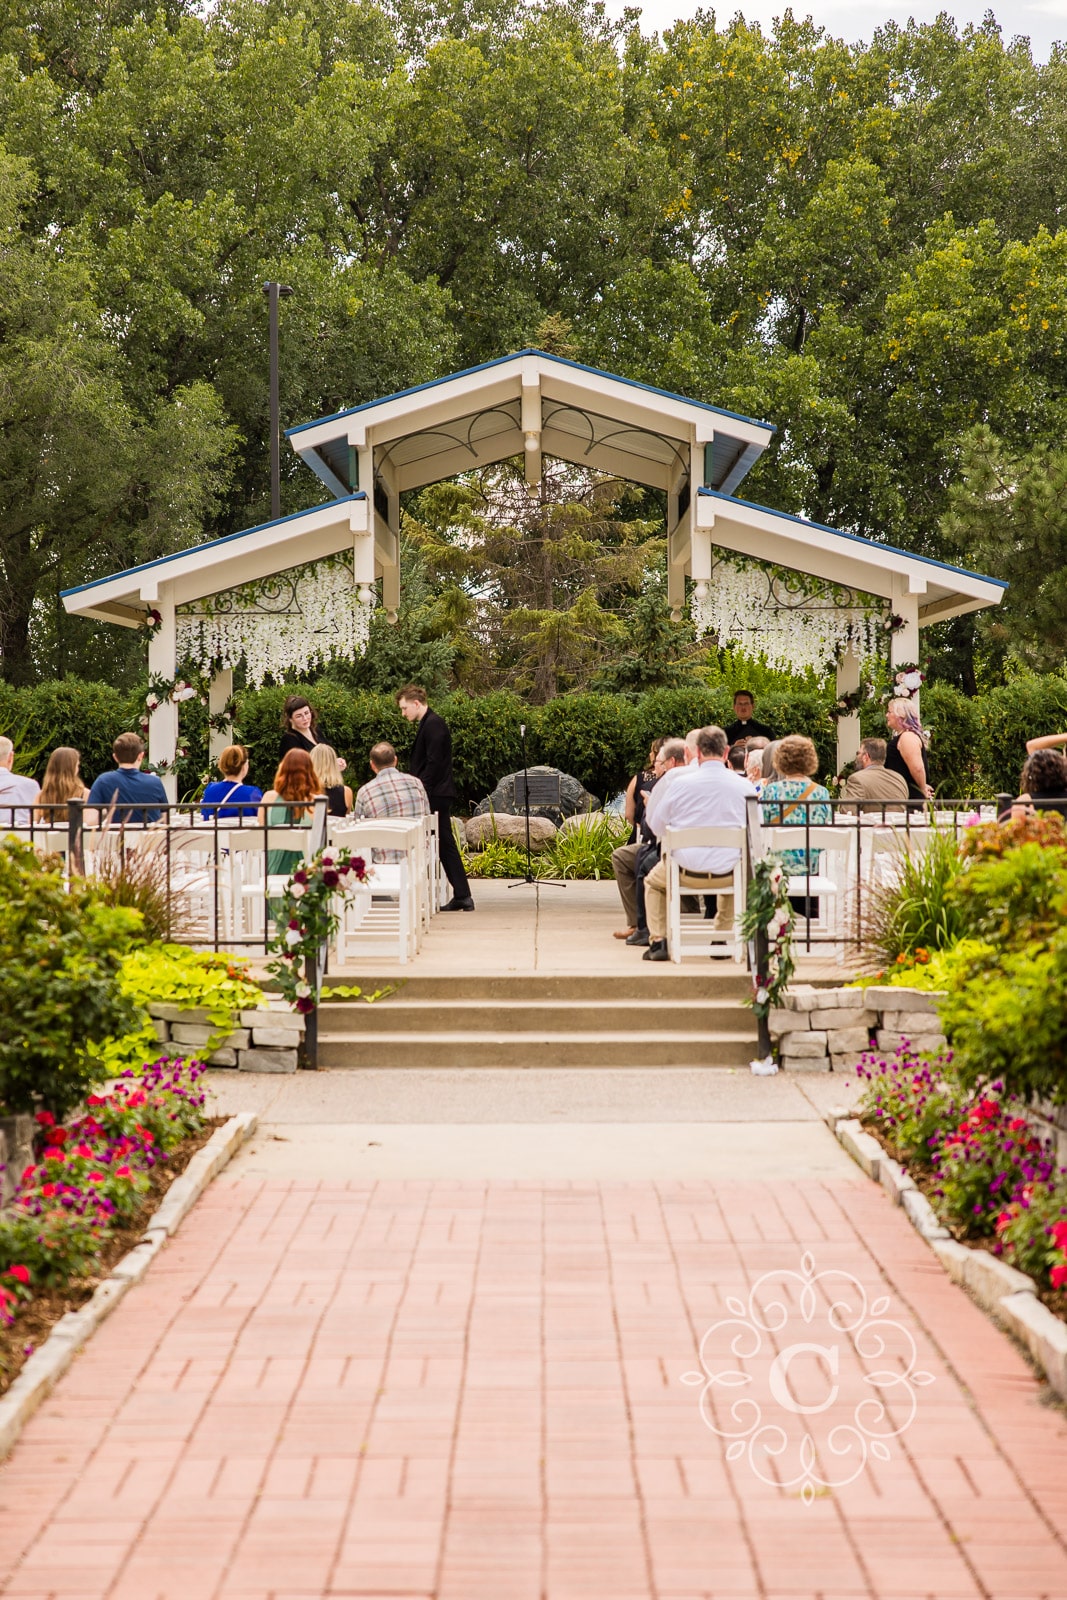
<point x="15" y="791"/>
<point x="705" y="795"/>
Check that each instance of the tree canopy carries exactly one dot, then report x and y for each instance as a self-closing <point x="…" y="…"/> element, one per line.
<point x="866" y="244"/>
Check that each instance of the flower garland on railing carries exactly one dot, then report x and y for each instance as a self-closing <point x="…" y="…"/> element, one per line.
<point x="849" y="703"/>
<point x="308" y="915"/>
<point x="767" y="911"/>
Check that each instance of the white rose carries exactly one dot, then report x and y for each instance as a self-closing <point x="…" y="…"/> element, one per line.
<point x="297" y="889"/>
<point x="913" y="681"/>
<point x="303" y="990"/>
<point x="762" y="997"/>
<point x="293" y="936"/>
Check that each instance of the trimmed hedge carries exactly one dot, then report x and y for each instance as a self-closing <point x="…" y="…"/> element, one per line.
<point x="978" y="746"/>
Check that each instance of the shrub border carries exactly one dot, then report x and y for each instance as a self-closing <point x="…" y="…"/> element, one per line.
<point x="47" y="1365"/>
<point x="1007" y="1296"/>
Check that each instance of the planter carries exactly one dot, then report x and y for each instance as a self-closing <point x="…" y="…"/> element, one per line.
<point x="266" y="1040"/>
<point x="827" y="1030"/>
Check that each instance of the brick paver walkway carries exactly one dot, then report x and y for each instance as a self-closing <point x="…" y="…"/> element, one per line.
<point x="459" y="1391"/>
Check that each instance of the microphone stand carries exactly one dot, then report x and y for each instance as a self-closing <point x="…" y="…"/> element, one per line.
<point x="556" y="883"/>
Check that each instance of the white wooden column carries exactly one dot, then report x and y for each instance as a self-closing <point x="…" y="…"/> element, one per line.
<point x="848" y="728"/>
<point x="219" y="692"/>
<point x="531" y="420"/>
<point x="904" y="645"/>
<point x="163" y="663"/>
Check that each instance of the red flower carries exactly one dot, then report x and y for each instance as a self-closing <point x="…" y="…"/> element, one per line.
<point x="57" y="1136"/>
<point x="46" y="1119"/>
<point x="122" y="1172"/>
<point x="96" y="1177"/>
<point x="1059" y="1234"/>
<point x="20" y="1274"/>
<point x="138" y="1098"/>
<point x="48" y="1190"/>
<point x="1059" y="1277"/>
<point x="96" y="1100"/>
<point x="84" y="1151"/>
<point x="55" y="1154"/>
<point x="28" y="1174"/>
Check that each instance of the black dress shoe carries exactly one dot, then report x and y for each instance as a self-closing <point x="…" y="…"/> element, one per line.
<point x="657" y="951"/>
<point x="639" y="936"/>
<point x="459" y="905"/>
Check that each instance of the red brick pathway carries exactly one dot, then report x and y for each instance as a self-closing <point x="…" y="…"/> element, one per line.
<point x="398" y="1391"/>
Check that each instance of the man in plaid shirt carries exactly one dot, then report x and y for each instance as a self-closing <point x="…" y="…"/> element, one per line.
<point x="390" y="793"/>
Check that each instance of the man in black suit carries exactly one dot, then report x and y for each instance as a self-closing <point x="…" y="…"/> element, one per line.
<point x="431" y="762"/>
<point x="744" y="725"/>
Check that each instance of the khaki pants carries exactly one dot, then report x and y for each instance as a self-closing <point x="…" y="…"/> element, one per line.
<point x="656" y="897"/>
<point x="624" y="864"/>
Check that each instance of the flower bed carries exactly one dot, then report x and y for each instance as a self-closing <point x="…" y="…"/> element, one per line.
<point x="990" y="1176"/>
<point x="85" y="1197"/>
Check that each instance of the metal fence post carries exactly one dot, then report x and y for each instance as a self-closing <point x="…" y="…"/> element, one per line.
<point x="75" y="823"/>
<point x="758" y="948"/>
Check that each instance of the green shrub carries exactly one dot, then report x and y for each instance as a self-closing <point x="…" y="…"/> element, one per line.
<point x="1014" y="898"/>
<point x="497" y="859"/>
<point x="591" y="736"/>
<point x="670" y="713"/>
<point x="486" y="744"/>
<point x="61" y="947"/>
<point x="1009" y="715"/>
<point x="955" y="742"/>
<point x="1006" y="1018"/>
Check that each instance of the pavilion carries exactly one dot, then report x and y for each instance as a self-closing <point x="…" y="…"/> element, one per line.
<point x="259" y="585"/>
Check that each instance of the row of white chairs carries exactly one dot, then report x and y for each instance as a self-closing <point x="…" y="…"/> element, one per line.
<point x="848" y="862"/>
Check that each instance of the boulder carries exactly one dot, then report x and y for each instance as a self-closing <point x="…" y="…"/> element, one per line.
<point x="480" y="829"/>
<point x="573" y="798"/>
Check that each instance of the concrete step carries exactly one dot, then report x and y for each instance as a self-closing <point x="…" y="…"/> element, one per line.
<point x="681" y="1013"/>
<point x="659" y="980"/>
<point x="506" y="1048"/>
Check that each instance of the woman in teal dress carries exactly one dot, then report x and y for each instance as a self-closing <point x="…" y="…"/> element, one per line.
<point x="790" y="799"/>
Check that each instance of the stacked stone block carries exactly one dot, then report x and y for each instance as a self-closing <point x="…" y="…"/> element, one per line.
<point x="827" y="1030"/>
<point x="267" y="1040"/>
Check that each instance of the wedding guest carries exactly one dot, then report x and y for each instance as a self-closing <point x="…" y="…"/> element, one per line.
<point x="62" y="782"/>
<point x="289" y="803"/>
<point x="1047" y="741"/>
<point x="871" y="780"/>
<point x="906" y="752"/>
<point x="130" y="795"/>
<point x="231" y="796"/>
<point x="624" y="857"/>
<point x="328" y="771"/>
<point x="1044" y="777"/>
<point x="737" y="758"/>
<point x="792" y="799"/>
<point x="14" y="787"/>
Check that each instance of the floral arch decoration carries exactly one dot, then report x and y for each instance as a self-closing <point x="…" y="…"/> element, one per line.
<point x="290" y="621"/>
<point x="792" y="620"/>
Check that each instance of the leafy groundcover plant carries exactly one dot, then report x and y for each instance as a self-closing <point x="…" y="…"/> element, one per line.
<point x="990" y="1177"/>
<point x="176" y="975"/>
<point x="90" y="1178"/>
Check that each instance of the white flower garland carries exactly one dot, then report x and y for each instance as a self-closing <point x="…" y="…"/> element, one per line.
<point x="321" y="612"/>
<point x="738" y="606"/>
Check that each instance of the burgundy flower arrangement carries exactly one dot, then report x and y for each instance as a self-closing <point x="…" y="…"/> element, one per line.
<point x="308" y="915"/>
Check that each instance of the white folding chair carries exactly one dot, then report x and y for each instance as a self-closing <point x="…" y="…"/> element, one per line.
<point x="696" y="935"/>
<point x="381" y="917"/>
<point x="252" y="887"/>
<point x="828" y="885"/>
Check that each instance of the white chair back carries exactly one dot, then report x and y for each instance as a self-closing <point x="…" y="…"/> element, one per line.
<point x="697" y="935"/>
<point x="383" y="916"/>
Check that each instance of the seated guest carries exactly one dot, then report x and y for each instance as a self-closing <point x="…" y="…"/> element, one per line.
<point x="793" y="799"/>
<point x="871" y="781"/>
<point x="231" y="796"/>
<point x="770" y="750"/>
<point x="63" y="782"/>
<point x="390" y="793"/>
<point x="744" y="725"/>
<point x="14" y="788"/>
<point x="127" y="794"/>
<point x="737" y="759"/>
<point x="290" y="804"/>
<point x="1044" y="777"/>
<point x="300" y="727"/>
<point x="633" y="810"/>
<point x="328" y="771"/>
<point x="707" y="794"/>
<point x="627" y="859"/>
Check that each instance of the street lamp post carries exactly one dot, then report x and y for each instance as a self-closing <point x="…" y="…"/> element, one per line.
<point x="274" y="291"/>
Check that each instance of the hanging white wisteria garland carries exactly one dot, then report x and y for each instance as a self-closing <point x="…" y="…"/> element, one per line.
<point x="793" y="621"/>
<point x="289" y="622"/>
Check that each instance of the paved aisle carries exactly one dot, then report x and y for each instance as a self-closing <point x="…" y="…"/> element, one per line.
<point x="424" y="1387"/>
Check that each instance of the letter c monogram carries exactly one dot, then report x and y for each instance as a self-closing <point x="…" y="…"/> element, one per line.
<point x="779" y="1376"/>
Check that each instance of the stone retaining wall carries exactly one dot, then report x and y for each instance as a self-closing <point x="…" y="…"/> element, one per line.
<point x="266" y="1041"/>
<point x="827" y="1030"/>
